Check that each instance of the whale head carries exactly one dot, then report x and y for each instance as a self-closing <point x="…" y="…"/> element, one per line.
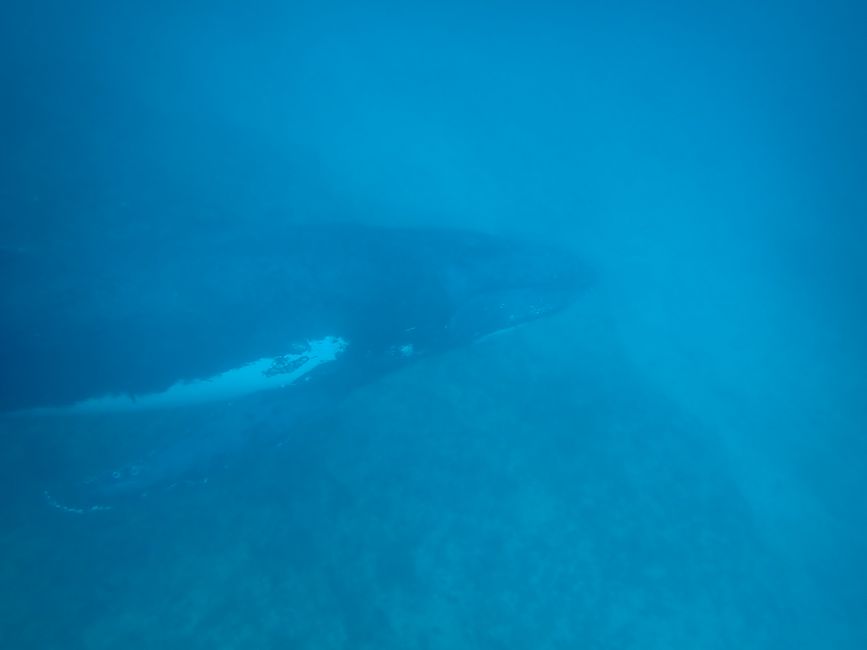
<point x="498" y="284"/>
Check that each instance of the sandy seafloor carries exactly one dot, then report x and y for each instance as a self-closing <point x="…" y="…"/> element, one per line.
<point x="519" y="494"/>
<point x="537" y="490"/>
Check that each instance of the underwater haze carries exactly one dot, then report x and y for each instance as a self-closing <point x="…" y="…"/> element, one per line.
<point x="674" y="456"/>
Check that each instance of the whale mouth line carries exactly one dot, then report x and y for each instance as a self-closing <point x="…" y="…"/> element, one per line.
<point x="75" y="510"/>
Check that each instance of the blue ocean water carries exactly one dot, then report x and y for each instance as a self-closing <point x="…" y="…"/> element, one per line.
<point x="676" y="461"/>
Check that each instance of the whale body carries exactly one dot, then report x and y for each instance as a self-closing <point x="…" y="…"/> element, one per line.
<point x="311" y="311"/>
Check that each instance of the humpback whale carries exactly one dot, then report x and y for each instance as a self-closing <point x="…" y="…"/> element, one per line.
<point x="310" y="311"/>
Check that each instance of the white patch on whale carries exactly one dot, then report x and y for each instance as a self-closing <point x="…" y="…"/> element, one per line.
<point x="263" y="374"/>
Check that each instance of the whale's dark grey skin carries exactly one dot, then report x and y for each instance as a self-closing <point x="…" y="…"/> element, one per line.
<point x="311" y="311"/>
